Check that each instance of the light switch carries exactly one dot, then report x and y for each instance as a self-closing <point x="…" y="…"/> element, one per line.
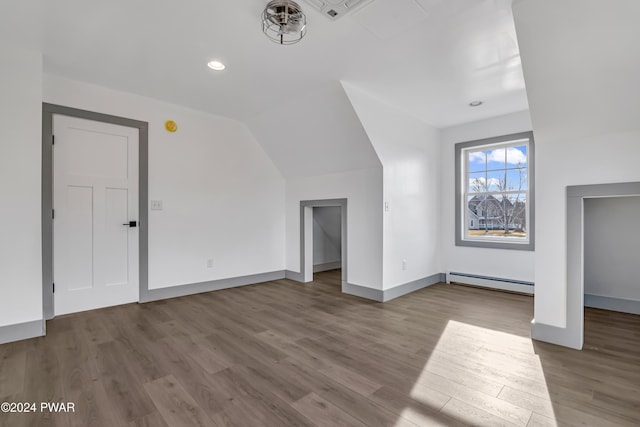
<point x="156" y="205"/>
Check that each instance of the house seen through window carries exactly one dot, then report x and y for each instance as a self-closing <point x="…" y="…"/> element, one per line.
<point x="495" y="194"/>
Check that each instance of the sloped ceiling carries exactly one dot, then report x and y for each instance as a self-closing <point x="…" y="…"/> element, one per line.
<point x="457" y="52"/>
<point x="581" y="76"/>
<point x="429" y="63"/>
<point x="428" y="58"/>
<point x="318" y="134"/>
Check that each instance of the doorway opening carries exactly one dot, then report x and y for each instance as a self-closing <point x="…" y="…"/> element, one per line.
<point x="327" y="244"/>
<point x="323" y="240"/>
<point x="595" y="217"/>
<point x="98" y="177"/>
<point x="611" y="237"/>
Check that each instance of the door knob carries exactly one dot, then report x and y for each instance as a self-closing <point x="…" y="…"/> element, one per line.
<point x="131" y="224"/>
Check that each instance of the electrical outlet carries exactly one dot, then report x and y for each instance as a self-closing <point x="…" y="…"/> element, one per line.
<point x="404" y="264"/>
<point x="156" y="205"/>
<point x="209" y="263"/>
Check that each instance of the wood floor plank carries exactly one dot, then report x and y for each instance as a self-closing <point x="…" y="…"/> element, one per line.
<point x="196" y="348"/>
<point x="175" y="405"/>
<point x="538" y="420"/>
<point x="472" y="415"/>
<point x="324" y="414"/>
<point x="292" y="348"/>
<point x="451" y="371"/>
<point x="578" y="417"/>
<point x="154" y="419"/>
<point x="350" y="379"/>
<point x="361" y="407"/>
<point x="270" y="377"/>
<point x="82" y="385"/>
<point x="627" y="406"/>
<point x="539" y="405"/>
<point x="13" y="359"/>
<point x="427" y="399"/>
<point x="512" y="413"/>
<point x="93" y="407"/>
<point x="124" y="390"/>
<point x="507" y="374"/>
<point x="290" y="354"/>
<point x="255" y="406"/>
<point x="240" y="348"/>
<point x="43" y="382"/>
<point x="133" y="349"/>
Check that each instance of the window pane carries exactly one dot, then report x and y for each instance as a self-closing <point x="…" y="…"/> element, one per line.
<point x="475" y="211"/>
<point x="516" y="179"/>
<point x="517" y="156"/>
<point x="497" y="216"/>
<point x="478" y="182"/>
<point x="515" y="213"/>
<point x="496" y="159"/>
<point x="495" y="180"/>
<point x="477" y="160"/>
<point x="481" y="215"/>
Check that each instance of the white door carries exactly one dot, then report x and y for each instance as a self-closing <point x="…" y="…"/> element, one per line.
<point x="95" y="193"/>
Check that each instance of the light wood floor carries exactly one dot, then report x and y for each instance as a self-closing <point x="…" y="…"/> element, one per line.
<point x="284" y="353"/>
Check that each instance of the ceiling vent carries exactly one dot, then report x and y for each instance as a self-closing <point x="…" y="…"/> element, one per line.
<point x="334" y="9"/>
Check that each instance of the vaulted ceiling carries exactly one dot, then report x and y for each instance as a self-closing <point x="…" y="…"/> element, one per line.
<point x="429" y="58"/>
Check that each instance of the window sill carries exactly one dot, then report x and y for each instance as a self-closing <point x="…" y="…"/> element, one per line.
<point x="493" y="244"/>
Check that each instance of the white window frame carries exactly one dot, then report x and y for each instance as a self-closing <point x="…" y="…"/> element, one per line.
<point x="462" y="192"/>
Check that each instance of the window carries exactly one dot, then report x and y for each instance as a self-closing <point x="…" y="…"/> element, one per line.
<point x="495" y="192"/>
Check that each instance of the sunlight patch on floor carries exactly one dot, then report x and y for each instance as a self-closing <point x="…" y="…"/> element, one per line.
<point x="487" y="377"/>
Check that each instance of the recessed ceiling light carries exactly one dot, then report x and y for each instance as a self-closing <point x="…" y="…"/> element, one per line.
<point x="216" y="65"/>
<point x="475" y="103"/>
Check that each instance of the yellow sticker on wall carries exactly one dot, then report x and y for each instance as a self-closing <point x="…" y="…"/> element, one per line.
<point x="171" y="126"/>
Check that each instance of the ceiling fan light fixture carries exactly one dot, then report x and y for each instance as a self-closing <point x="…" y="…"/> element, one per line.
<point x="283" y="22"/>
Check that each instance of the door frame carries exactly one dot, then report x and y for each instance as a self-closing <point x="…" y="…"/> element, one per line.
<point x="306" y="236"/>
<point x="576" y="194"/>
<point x="48" y="111"/>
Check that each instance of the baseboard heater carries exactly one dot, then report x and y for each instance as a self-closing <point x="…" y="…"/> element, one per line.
<point x="491" y="282"/>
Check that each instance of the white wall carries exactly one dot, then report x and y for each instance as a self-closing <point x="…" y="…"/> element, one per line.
<point x="327" y="234"/>
<point x="561" y="162"/>
<point x="508" y="264"/>
<point x="20" y="205"/>
<point x="581" y="69"/>
<point x="363" y="189"/>
<point x="611" y="239"/>
<point x="410" y="154"/>
<point x="318" y="134"/>
<point x="222" y="196"/>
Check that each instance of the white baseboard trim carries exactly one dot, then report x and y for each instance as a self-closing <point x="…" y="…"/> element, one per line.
<point x="555" y="335"/>
<point x="213" y="285"/>
<point x="363" y="292"/>
<point x="611" y="303"/>
<point x="392" y="293"/>
<point x="21" y="331"/>
<point x="347" y="288"/>
<point x="491" y="282"/>
<point x="293" y="275"/>
<point x="416" y="285"/>
<point x="334" y="265"/>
